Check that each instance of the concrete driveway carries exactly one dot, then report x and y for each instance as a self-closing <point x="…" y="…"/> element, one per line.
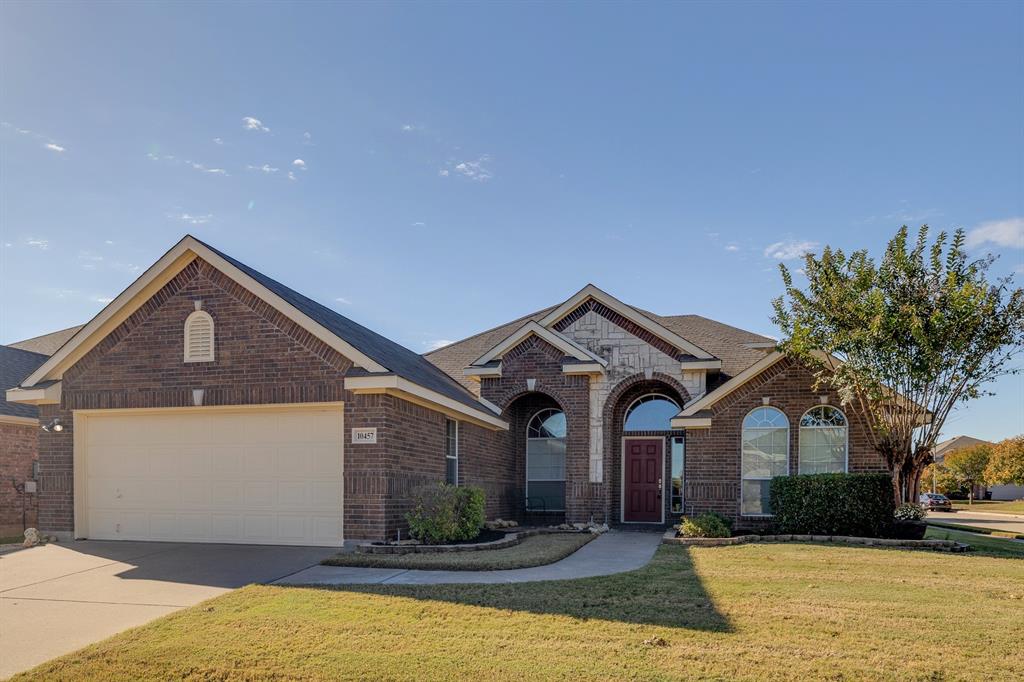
<point x="1008" y="522"/>
<point x="60" y="597"/>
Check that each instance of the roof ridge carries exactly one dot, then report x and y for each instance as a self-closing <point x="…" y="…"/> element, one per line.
<point x="529" y="316"/>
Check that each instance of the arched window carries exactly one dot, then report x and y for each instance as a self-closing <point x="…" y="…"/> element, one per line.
<point x="545" y="461"/>
<point x="823" y="441"/>
<point x="765" y="455"/>
<point x="199" y="337"/>
<point x="652" y="412"/>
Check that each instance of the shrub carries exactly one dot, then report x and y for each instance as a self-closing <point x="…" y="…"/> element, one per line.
<point x="908" y="511"/>
<point x="444" y="513"/>
<point x="860" y="505"/>
<point x="706" y="525"/>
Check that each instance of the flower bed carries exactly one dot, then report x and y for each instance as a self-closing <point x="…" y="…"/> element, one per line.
<point x="510" y="540"/>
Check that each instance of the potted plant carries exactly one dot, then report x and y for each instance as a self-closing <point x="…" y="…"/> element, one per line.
<point x="909" y="521"/>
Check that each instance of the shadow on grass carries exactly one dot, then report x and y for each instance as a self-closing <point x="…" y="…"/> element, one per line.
<point x="667" y="592"/>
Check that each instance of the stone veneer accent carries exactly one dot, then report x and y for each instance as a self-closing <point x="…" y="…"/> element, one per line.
<point x="627" y="355"/>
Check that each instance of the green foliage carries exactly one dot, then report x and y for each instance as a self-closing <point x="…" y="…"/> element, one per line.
<point x="706" y="525"/>
<point x="444" y="513"/>
<point x="860" y="505"/>
<point x="967" y="466"/>
<point x="1006" y="464"/>
<point x="945" y="482"/>
<point x="909" y="511"/>
<point x="902" y="342"/>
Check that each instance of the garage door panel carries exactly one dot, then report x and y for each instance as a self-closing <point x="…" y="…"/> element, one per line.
<point x="265" y="475"/>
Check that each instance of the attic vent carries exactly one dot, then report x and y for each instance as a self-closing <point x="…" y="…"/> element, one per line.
<point x="199" y="337"/>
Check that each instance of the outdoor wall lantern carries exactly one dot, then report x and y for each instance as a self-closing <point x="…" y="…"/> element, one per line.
<point x="54" y="426"/>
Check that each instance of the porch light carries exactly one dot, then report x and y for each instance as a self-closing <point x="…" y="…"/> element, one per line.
<point x="54" y="426"/>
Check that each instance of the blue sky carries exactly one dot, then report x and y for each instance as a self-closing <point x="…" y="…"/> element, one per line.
<point x="432" y="170"/>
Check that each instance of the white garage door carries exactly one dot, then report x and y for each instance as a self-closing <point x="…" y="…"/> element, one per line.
<point x="255" y="475"/>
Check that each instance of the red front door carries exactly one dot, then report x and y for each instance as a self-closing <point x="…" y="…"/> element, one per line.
<point x="643" y="467"/>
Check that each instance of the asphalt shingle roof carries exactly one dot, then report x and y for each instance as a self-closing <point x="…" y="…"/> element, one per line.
<point x="47" y="344"/>
<point x="721" y="340"/>
<point x="398" y="359"/>
<point x="16" y="365"/>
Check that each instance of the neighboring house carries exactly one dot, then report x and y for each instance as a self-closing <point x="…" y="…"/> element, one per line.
<point x="208" y="402"/>
<point x="995" y="492"/>
<point x="19" y="427"/>
<point x="47" y="344"/>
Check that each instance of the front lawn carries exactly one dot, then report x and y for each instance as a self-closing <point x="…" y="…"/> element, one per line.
<point x="985" y="545"/>
<point x="991" y="507"/>
<point x="779" y="611"/>
<point x="535" y="550"/>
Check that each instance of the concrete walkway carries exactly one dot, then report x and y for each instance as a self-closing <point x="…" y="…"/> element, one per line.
<point x="613" y="552"/>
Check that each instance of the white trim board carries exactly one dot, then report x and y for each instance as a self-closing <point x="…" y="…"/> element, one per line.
<point x="629" y="312"/>
<point x="531" y="328"/>
<point x="403" y="388"/>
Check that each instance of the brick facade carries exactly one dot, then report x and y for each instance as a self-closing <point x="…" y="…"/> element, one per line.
<point x="262" y="357"/>
<point x="712" y="477"/>
<point x="18" y="449"/>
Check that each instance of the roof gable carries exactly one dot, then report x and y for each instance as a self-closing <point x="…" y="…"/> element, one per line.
<point x="531" y="328"/>
<point x="366" y="349"/>
<point x="15" y="365"/>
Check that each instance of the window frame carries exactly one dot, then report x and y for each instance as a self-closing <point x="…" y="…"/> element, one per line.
<point x="189" y="323"/>
<point x="846" y="439"/>
<point x="646" y="397"/>
<point x="526" y="463"/>
<point x="743" y="440"/>
<point x="451" y="448"/>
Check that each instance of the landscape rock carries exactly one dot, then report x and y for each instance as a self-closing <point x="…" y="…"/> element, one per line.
<point x="32" y="538"/>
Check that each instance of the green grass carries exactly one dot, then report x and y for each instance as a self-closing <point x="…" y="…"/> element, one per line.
<point x="535" y="550"/>
<point x="991" y="507"/>
<point x="12" y="539"/>
<point x="746" y="612"/>
<point x="981" y="544"/>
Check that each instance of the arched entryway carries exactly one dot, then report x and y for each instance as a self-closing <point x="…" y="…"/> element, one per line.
<point x="647" y="458"/>
<point x="540" y="429"/>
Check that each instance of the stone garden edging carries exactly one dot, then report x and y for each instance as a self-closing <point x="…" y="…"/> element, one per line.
<point x="510" y="540"/>
<point x="936" y="545"/>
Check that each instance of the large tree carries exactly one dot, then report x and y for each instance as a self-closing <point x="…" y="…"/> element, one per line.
<point x="1007" y="462"/>
<point x="904" y="341"/>
<point x="968" y="467"/>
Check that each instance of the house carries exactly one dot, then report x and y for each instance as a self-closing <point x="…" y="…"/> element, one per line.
<point x="995" y="492"/>
<point x="19" y="426"/>
<point x="211" y="403"/>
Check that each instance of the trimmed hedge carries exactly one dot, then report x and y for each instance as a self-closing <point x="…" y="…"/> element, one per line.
<point x="444" y="513"/>
<point x="860" y="505"/>
<point x="706" y="525"/>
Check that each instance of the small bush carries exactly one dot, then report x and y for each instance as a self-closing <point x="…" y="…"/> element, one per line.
<point x="706" y="525"/>
<point x="908" y="511"/>
<point x="444" y="513"/>
<point x="860" y="505"/>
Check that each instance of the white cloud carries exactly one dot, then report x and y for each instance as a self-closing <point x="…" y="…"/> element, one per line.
<point x="218" y="140"/>
<point x="89" y="259"/>
<point x="790" y="249"/>
<point x="307" y="138"/>
<point x="101" y="299"/>
<point x="41" y="244"/>
<point x="200" y="167"/>
<point x="250" y="123"/>
<point x="1008" y="233"/>
<point x="419" y="223"/>
<point x="731" y="248"/>
<point x="265" y="168"/>
<point x="291" y="175"/>
<point x="299" y="163"/>
<point x="54" y="147"/>
<point x="411" y="128"/>
<point x="443" y="172"/>
<point x="475" y="170"/>
<point x="342" y="300"/>
<point x="437" y="343"/>
<point x="193" y="219"/>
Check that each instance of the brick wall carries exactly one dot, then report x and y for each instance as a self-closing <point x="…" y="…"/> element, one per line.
<point x="18" y="449"/>
<point x="537" y="359"/>
<point x="712" y="477"/>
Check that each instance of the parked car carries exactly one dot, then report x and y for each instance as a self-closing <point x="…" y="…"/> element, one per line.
<point x="935" y="502"/>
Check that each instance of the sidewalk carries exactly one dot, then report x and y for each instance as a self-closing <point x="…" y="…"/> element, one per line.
<point x="612" y="552"/>
<point x="1007" y="522"/>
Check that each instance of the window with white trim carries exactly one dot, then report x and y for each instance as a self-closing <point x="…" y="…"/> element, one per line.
<point x="199" y="337"/>
<point x="823" y="441"/>
<point x="545" y="461"/>
<point x="765" y="455"/>
<point x="651" y="412"/>
<point x="451" y="451"/>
